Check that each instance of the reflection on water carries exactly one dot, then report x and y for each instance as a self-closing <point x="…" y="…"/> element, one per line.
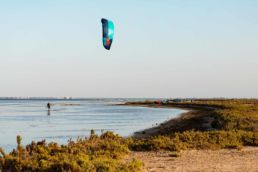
<point x="72" y="119"/>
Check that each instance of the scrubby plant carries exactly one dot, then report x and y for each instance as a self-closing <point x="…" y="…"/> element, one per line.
<point x="96" y="153"/>
<point x="197" y="140"/>
<point x="235" y="124"/>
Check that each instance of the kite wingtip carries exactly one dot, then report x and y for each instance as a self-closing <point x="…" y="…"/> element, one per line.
<point x="103" y="20"/>
<point x="107" y="48"/>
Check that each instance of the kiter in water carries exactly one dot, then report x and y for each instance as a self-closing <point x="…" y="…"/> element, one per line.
<point x="48" y="107"/>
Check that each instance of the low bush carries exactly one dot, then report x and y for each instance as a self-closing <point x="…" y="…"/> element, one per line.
<point x="96" y="153"/>
<point x="196" y="140"/>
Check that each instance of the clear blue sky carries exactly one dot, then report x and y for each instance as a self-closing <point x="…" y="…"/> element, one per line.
<point x="161" y="48"/>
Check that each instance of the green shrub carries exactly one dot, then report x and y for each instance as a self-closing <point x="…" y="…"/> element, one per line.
<point x="197" y="140"/>
<point x="96" y="153"/>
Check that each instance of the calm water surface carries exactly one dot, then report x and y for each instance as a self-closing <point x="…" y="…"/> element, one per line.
<point x="72" y="119"/>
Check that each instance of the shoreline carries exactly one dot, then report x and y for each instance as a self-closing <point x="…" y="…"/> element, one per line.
<point x="196" y="118"/>
<point x="159" y="129"/>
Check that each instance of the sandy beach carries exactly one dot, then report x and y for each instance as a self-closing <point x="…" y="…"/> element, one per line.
<point x="230" y="160"/>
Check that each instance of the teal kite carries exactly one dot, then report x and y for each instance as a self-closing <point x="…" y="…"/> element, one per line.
<point x="108" y="33"/>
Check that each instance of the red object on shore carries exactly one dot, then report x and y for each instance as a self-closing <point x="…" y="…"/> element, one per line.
<point x="157" y="102"/>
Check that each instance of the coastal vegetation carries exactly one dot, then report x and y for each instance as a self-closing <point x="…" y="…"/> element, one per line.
<point x="96" y="153"/>
<point x="214" y="123"/>
<point x="210" y="124"/>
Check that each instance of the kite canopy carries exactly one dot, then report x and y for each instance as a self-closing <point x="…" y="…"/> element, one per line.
<point x="108" y="33"/>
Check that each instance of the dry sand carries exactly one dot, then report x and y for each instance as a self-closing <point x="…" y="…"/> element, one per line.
<point x="226" y="160"/>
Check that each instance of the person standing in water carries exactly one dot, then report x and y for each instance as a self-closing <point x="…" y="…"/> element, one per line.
<point x="48" y="107"/>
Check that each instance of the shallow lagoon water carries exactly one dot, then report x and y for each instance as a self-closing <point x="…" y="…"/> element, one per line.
<point x="70" y="119"/>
